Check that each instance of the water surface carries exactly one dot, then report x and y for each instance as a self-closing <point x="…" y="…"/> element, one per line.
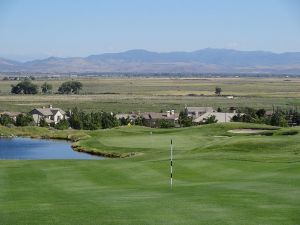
<point x="27" y="148"/>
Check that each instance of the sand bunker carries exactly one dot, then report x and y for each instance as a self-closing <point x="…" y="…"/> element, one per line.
<point x="247" y="131"/>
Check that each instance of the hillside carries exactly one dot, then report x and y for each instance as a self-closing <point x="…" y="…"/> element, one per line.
<point x="142" y="61"/>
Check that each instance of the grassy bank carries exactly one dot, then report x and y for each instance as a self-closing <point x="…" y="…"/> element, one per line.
<point x="219" y="178"/>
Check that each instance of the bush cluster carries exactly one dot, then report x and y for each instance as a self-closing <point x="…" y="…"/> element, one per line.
<point x="21" y="120"/>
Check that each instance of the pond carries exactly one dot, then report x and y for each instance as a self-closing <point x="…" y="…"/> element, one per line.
<point x="35" y="149"/>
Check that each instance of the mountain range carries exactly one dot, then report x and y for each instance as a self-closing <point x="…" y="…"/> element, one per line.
<point x="141" y="61"/>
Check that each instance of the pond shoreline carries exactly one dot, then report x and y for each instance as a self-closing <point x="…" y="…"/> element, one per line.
<point x="27" y="148"/>
<point x="73" y="144"/>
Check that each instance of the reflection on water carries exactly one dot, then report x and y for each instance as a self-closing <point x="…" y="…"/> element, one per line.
<point x="27" y="148"/>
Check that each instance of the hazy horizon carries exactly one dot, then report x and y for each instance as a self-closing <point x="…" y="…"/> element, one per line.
<point x="27" y="58"/>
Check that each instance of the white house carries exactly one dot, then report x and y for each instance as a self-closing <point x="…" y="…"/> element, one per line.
<point x="50" y="115"/>
<point x="221" y="117"/>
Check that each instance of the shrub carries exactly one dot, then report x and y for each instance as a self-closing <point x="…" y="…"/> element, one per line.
<point x="62" y="125"/>
<point x="43" y="123"/>
<point x="24" y="120"/>
<point x="166" y="123"/>
<point x="5" y="120"/>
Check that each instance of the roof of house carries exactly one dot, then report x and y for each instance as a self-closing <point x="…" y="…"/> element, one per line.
<point x="199" y="109"/>
<point x="269" y="113"/>
<point x="125" y="115"/>
<point x="155" y="115"/>
<point x="220" y="117"/>
<point x="49" y="111"/>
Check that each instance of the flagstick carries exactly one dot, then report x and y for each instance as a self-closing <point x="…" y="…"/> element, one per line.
<point x="171" y="159"/>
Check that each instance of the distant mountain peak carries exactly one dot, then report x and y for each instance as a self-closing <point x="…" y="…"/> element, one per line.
<point x="208" y="60"/>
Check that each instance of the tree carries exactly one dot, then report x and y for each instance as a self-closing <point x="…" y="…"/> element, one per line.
<point x="70" y="87"/>
<point x="43" y="123"/>
<point x="184" y="120"/>
<point x="218" y="91"/>
<point x="211" y="119"/>
<point x="24" y="120"/>
<point x="124" y="121"/>
<point x="108" y="120"/>
<point x="140" y="121"/>
<point x="278" y="119"/>
<point x="5" y="120"/>
<point x="24" y="87"/>
<point x="46" y="88"/>
<point x="75" y="120"/>
<point x="166" y="123"/>
<point x="261" y="113"/>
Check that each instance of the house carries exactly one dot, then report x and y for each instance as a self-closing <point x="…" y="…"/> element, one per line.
<point x="124" y="116"/>
<point x="195" y="112"/>
<point x="152" y="119"/>
<point x="50" y="115"/>
<point x="269" y="113"/>
<point x="12" y="115"/>
<point x="232" y="109"/>
<point x="221" y="117"/>
<point x="131" y="116"/>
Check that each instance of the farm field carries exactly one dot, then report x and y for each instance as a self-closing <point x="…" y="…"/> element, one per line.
<point x="219" y="178"/>
<point x="155" y="94"/>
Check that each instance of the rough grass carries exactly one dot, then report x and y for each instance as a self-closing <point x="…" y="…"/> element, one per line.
<point x="149" y="94"/>
<point x="219" y="178"/>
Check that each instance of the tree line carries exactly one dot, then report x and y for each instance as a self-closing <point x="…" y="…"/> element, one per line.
<point x="78" y="119"/>
<point x="27" y="87"/>
<point x="279" y="117"/>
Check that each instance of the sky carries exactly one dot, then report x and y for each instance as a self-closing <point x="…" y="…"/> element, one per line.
<point x="31" y="29"/>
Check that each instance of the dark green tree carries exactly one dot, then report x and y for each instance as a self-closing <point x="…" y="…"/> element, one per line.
<point x="166" y="123"/>
<point x="108" y="120"/>
<point x="139" y="121"/>
<point x="24" y="120"/>
<point x="261" y="113"/>
<point x="75" y="119"/>
<point x="43" y="123"/>
<point x="5" y="120"/>
<point x="218" y="91"/>
<point x="62" y="125"/>
<point x="46" y="88"/>
<point x="184" y="120"/>
<point x="24" y="87"/>
<point x="124" y="121"/>
<point x="211" y="119"/>
<point x="278" y="118"/>
<point x="70" y="87"/>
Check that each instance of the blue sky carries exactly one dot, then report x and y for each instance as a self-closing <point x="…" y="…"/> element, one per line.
<point x="38" y="28"/>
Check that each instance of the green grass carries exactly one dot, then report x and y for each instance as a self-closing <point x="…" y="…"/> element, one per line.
<point x="219" y="178"/>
